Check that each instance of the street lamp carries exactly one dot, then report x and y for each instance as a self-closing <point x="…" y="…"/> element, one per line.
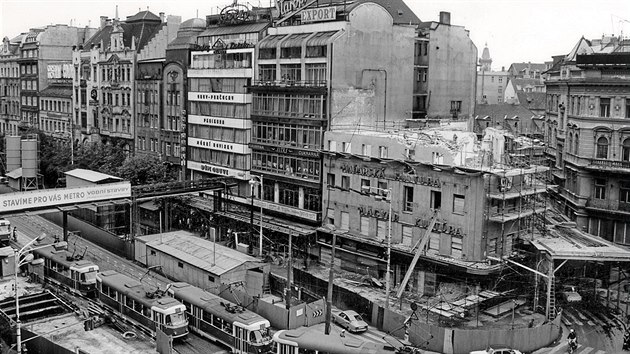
<point x="27" y="258"/>
<point x="255" y="181"/>
<point x="388" y="198"/>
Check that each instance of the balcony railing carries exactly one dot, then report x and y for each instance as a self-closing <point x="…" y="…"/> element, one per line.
<point x="602" y="204"/>
<point x="602" y="163"/>
<point x="290" y="83"/>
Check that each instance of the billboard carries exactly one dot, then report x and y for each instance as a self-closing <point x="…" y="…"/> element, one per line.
<point x="63" y="196"/>
<point x="60" y="71"/>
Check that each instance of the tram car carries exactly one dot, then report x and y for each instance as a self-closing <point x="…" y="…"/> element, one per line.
<point x="305" y="340"/>
<point x="211" y="316"/>
<point x="66" y="270"/>
<point x="129" y="298"/>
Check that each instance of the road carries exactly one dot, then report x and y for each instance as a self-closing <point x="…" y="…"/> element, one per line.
<point x="30" y="227"/>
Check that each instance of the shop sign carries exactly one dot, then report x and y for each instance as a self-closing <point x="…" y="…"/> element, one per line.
<point x="439" y="227"/>
<point x="287" y="6"/>
<point x="234" y="14"/>
<point x="285" y="150"/>
<point x="319" y="14"/>
<point x="378" y="214"/>
<point x="364" y="171"/>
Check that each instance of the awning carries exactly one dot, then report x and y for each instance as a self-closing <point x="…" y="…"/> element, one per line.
<point x="227" y="30"/>
<point x="270" y="41"/>
<point x="271" y="223"/>
<point x="295" y="40"/>
<point x="150" y="205"/>
<point x="320" y="39"/>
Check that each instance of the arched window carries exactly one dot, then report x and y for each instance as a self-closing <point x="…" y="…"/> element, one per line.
<point x="577" y="144"/>
<point x="625" y="150"/>
<point x="570" y="142"/>
<point x="602" y="148"/>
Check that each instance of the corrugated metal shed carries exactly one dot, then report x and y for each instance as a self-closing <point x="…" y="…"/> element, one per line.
<point x="197" y="252"/>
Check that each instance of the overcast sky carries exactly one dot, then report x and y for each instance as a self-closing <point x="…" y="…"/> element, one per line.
<point x="515" y="30"/>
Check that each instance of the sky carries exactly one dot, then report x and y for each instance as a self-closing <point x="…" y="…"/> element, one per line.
<point x="515" y="30"/>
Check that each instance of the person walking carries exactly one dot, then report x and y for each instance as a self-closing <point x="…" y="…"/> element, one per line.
<point x="15" y="233"/>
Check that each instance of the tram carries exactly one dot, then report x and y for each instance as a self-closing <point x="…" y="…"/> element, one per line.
<point x="64" y="269"/>
<point x="129" y="298"/>
<point x="211" y="316"/>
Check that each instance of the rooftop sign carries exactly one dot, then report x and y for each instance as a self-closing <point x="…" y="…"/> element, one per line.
<point x="319" y="14"/>
<point x="63" y="196"/>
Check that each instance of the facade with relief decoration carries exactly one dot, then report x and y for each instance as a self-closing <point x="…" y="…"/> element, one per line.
<point x="587" y="132"/>
<point x="444" y="180"/>
<point x="105" y="101"/>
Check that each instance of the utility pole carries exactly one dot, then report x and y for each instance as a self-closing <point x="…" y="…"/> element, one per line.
<point x="289" y="269"/>
<point x="331" y="276"/>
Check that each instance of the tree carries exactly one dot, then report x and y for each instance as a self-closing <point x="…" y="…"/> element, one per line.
<point x="141" y="170"/>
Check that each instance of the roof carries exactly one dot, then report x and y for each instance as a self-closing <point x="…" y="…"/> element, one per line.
<point x="150" y="205"/>
<point x="244" y="28"/>
<point x="91" y="176"/>
<point x="566" y="241"/>
<point x="518" y="67"/>
<point x="499" y="111"/>
<point x="6" y="251"/>
<point x="56" y="91"/>
<point x="532" y="100"/>
<point x="198" y="252"/>
<point x="17" y="173"/>
<point x="135" y="27"/>
<point x="146" y="16"/>
<point x="193" y="23"/>
<point x="400" y="12"/>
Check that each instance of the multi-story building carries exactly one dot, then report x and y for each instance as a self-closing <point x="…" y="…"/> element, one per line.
<point x="491" y="85"/>
<point x="107" y="105"/>
<point x="587" y="134"/>
<point x="446" y="195"/>
<point x="10" y="85"/>
<point x="39" y="48"/>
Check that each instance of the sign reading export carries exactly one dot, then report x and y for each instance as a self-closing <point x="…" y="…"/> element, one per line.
<point x="319" y="14"/>
<point x="63" y="196"/>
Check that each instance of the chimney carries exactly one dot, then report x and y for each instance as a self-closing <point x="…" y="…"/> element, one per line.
<point x="445" y="17"/>
<point x="103" y="21"/>
<point x="162" y="17"/>
<point x="503" y="68"/>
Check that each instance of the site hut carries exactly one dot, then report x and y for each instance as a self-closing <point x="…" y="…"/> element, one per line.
<point x="7" y="265"/>
<point x="182" y="256"/>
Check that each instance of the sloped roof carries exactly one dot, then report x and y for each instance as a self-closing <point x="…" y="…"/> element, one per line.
<point x="137" y="26"/>
<point x="91" y="176"/>
<point x="522" y="82"/>
<point x="193" y="23"/>
<point x="146" y="16"/>
<point x="532" y="100"/>
<point x="533" y="66"/>
<point x="57" y="91"/>
<point x="499" y="111"/>
<point x="400" y="12"/>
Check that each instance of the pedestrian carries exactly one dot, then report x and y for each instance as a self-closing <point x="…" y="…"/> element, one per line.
<point x="15" y="233"/>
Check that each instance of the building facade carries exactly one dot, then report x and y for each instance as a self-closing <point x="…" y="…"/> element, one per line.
<point x="587" y="134"/>
<point x="10" y="86"/>
<point x="474" y="206"/>
<point x="491" y="85"/>
<point x="105" y="99"/>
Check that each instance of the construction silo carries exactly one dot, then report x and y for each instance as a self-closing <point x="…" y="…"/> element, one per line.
<point x="13" y="150"/>
<point x="30" y="162"/>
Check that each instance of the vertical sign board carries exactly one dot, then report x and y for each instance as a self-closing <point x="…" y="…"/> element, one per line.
<point x="63" y="196"/>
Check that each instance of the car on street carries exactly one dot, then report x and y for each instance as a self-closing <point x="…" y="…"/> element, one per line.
<point x="497" y="351"/>
<point x="350" y="320"/>
<point x="570" y="293"/>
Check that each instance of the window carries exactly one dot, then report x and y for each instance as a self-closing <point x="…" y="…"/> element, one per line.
<point x="330" y="179"/>
<point x="345" y="221"/>
<point x="382" y="188"/>
<point x="458" y="204"/>
<point x="625" y="150"/>
<point x="211" y="278"/>
<point x="382" y="152"/>
<point x="345" y="182"/>
<point x="408" y="198"/>
<point x="624" y="192"/>
<point x="365" y="225"/>
<point x="627" y="108"/>
<point x="604" y="107"/>
<point x="332" y="145"/>
<point x="602" y="148"/>
<point x="346" y="147"/>
<point x="366" y="150"/>
<point x="381" y="229"/>
<point x="436" y="200"/>
<point x="365" y="185"/>
<point x="600" y="188"/>
<point x="330" y="216"/>
<point x="153" y="253"/>
<point x="180" y="264"/>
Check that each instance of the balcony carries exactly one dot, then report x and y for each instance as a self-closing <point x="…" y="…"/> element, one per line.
<point x="317" y="86"/>
<point x="287" y="114"/>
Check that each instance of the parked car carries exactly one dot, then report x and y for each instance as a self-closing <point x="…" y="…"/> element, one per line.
<point x="497" y="351"/>
<point x="570" y="293"/>
<point x="350" y="320"/>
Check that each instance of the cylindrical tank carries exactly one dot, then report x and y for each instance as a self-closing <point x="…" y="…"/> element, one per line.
<point x="13" y="152"/>
<point x="30" y="158"/>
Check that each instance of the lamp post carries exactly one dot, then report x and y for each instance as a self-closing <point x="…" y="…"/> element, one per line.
<point x="388" y="198"/>
<point x="18" y="264"/>
<point x="255" y="181"/>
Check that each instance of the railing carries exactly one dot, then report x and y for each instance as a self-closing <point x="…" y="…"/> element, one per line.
<point x="610" y="163"/>
<point x="291" y="83"/>
<point x="273" y="113"/>
<point x="602" y="204"/>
